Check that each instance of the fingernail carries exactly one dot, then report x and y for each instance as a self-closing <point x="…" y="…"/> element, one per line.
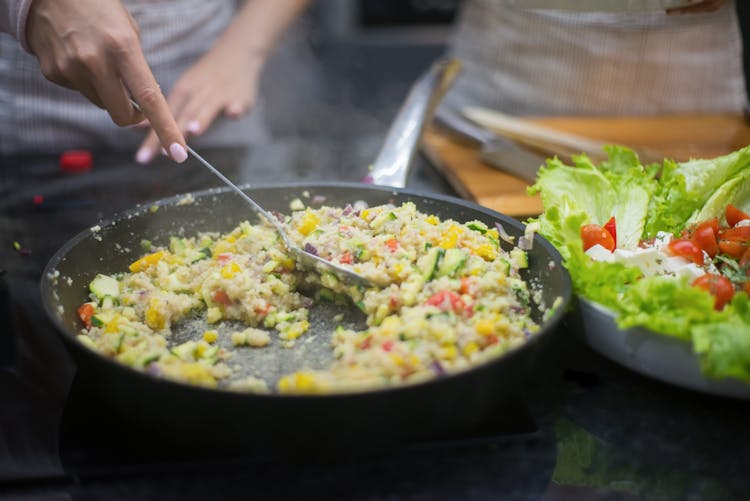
<point x="194" y="127"/>
<point x="163" y="152"/>
<point x="144" y="155"/>
<point x="178" y="153"/>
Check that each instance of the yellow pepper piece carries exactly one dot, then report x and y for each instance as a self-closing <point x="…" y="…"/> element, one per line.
<point x="448" y="352"/>
<point x="230" y="270"/>
<point x="486" y="252"/>
<point x="154" y="318"/>
<point x="197" y="374"/>
<point x="298" y="382"/>
<point x="297" y="330"/>
<point x="470" y="348"/>
<point x="432" y="219"/>
<point x="210" y="336"/>
<point x="450" y="237"/>
<point x="309" y="222"/>
<point x="146" y="261"/>
<point x="485" y="327"/>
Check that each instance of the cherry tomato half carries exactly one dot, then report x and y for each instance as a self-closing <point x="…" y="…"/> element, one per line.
<point x="734" y="215"/>
<point x="705" y="238"/>
<point x="593" y="234"/>
<point x="732" y="249"/>
<point x="85" y="312"/>
<point x="686" y="249"/>
<point x="611" y="227"/>
<point x="718" y="286"/>
<point x="712" y="223"/>
<point x="736" y="234"/>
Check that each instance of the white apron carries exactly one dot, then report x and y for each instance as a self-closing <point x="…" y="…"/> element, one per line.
<point x="554" y="61"/>
<point x="37" y="116"/>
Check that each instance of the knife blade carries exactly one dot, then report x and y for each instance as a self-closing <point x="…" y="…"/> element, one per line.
<point x="495" y="151"/>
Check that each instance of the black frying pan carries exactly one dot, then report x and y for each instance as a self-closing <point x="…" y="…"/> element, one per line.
<point x="215" y="416"/>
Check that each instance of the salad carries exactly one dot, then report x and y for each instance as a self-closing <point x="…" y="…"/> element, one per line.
<point x="663" y="246"/>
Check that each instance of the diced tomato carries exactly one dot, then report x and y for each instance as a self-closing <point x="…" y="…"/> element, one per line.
<point x="346" y="258"/>
<point x="736" y="234"/>
<point x="221" y="297"/>
<point x="746" y="287"/>
<point x="745" y="259"/>
<point x="224" y="258"/>
<point x="85" y="312"/>
<point x="365" y="343"/>
<point x="705" y="238"/>
<point x="388" y="345"/>
<point x="686" y="249"/>
<point x="446" y="300"/>
<point x="392" y="244"/>
<point x="733" y="215"/>
<point x="261" y="309"/>
<point x="712" y="223"/>
<point x="393" y="302"/>
<point x="718" y="286"/>
<point x="593" y="234"/>
<point x="611" y="227"/>
<point x="467" y="286"/>
<point x="732" y="249"/>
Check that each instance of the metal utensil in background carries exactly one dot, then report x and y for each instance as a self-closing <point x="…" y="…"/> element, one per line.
<point x="393" y="162"/>
<point x="496" y="151"/>
<point x="306" y="259"/>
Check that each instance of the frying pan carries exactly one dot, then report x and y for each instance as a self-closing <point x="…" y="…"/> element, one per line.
<point x="286" y="423"/>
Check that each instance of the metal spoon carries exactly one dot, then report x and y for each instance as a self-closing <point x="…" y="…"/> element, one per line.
<point x="303" y="258"/>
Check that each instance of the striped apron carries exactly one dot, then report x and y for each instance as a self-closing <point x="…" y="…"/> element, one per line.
<point x="564" y="62"/>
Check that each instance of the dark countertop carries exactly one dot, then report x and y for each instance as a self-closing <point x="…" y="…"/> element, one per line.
<point x="584" y="428"/>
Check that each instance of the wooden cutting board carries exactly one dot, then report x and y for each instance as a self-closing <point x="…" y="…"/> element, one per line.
<point x="680" y="137"/>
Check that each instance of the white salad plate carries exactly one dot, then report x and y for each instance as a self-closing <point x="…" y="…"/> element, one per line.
<point x="655" y="355"/>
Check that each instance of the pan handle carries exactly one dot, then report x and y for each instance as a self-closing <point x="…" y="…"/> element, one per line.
<point x="392" y="165"/>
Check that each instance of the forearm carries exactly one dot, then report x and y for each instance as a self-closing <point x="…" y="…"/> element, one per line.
<point x="259" y="24"/>
<point x="13" y="14"/>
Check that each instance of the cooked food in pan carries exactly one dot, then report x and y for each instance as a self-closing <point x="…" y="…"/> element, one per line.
<point x="453" y="299"/>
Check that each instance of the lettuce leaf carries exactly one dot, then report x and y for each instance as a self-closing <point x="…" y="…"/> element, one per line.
<point x="684" y="188"/>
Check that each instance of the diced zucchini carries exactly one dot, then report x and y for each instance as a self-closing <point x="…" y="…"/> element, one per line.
<point x="519" y="259"/>
<point x="296" y="205"/>
<point x="429" y="262"/>
<point x="326" y="294"/>
<point x="329" y="280"/>
<point x="505" y="266"/>
<point x="477" y="226"/>
<point x="101" y="318"/>
<point x="452" y="261"/>
<point x="195" y="255"/>
<point x="118" y="345"/>
<point x="109" y="302"/>
<point x="177" y="245"/>
<point x="185" y="351"/>
<point x="104" y="285"/>
<point x="148" y="358"/>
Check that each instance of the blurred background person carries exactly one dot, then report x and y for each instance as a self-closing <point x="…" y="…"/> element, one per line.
<point x="560" y="57"/>
<point x="205" y="55"/>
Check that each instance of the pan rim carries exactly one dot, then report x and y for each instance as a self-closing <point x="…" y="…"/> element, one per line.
<point x="546" y="329"/>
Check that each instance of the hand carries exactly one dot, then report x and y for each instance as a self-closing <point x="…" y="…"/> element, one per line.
<point x="697" y="6"/>
<point x="93" y="46"/>
<point x="223" y="81"/>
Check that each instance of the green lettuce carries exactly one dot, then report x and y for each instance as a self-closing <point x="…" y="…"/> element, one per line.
<point x="684" y="189"/>
<point x="645" y="200"/>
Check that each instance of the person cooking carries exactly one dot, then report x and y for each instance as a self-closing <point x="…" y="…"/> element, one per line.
<point x="206" y="55"/>
<point x="564" y="57"/>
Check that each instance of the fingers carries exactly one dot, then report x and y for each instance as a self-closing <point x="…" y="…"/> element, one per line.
<point x="138" y="78"/>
